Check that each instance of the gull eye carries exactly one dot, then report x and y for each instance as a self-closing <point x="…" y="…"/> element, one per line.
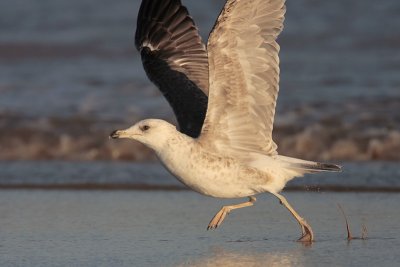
<point x="145" y="128"/>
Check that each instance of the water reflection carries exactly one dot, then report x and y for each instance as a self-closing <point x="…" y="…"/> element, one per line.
<point x="222" y="257"/>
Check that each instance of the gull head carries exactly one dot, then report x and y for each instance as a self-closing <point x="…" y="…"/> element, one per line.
<point x="152" y="132"/>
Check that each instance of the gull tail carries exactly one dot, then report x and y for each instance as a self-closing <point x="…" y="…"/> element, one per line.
<point x="309" y="166"/>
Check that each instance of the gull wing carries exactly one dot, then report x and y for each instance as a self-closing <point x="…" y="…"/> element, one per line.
<point x="175" y="59"/>
<point x="244" y="78"/>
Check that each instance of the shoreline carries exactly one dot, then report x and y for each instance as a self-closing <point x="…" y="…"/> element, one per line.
<point x="168" y="188"/>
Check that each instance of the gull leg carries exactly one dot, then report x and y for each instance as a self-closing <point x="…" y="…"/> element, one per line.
<point x="220" y="216"/>
<point x="307" y="233"/>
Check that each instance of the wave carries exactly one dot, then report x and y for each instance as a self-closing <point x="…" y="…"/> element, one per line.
<point x="356" y="130"/>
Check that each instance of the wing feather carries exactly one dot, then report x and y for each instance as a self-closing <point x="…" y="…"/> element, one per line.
<point x="244" y="78"/>
<point x="175" y="59"/>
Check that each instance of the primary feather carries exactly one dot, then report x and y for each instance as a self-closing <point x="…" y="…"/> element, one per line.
<point x="175" y="59"/>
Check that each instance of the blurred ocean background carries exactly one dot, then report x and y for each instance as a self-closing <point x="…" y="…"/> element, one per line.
<point x="69" y="75"/>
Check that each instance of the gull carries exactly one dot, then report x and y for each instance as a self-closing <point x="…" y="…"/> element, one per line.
<point x="224" y="98"/>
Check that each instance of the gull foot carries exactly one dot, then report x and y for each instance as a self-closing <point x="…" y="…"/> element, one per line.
<point x="307" y="233"/>
<point x="218" y="218"/>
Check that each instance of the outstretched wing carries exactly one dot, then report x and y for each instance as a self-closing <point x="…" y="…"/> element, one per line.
<point x="175" y="59"/>
<point x="244" y="78"/>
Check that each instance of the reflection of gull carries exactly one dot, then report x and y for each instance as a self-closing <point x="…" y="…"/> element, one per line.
<point x="247" y="255"/>
<point x="234" y="156"/>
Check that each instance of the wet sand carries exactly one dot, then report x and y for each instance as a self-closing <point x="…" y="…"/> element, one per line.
<point x="159" y="228"/>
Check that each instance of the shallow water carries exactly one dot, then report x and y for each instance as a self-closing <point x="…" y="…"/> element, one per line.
<point x="144" y="223"/>
<point x="132" y="228"/>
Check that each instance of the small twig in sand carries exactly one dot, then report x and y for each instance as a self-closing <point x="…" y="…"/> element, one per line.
<point x="364" y="232"/>
<point x="349" y="236"/>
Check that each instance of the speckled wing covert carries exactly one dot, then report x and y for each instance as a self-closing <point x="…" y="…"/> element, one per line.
<point x="175" y="60"/>
<point x="244" y="78"/>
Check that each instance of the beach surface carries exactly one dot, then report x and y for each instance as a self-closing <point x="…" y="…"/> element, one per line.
<point x="160" y="228"/>
<point x="134" y="214"/>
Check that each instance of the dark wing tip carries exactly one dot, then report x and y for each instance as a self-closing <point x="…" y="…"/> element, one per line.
<point x="330" y="167"/>
<point x="157" y="16"/>
<point x="317" y="167"/>
<point x="175" y="59"/>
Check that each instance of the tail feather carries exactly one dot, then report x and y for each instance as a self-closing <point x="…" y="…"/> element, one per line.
<point x="309" y="166"/>
<point x="317" y="167"/>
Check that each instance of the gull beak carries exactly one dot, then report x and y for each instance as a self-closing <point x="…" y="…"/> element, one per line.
<point x="116" y="134"/>
<point x="128" y="133"/>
